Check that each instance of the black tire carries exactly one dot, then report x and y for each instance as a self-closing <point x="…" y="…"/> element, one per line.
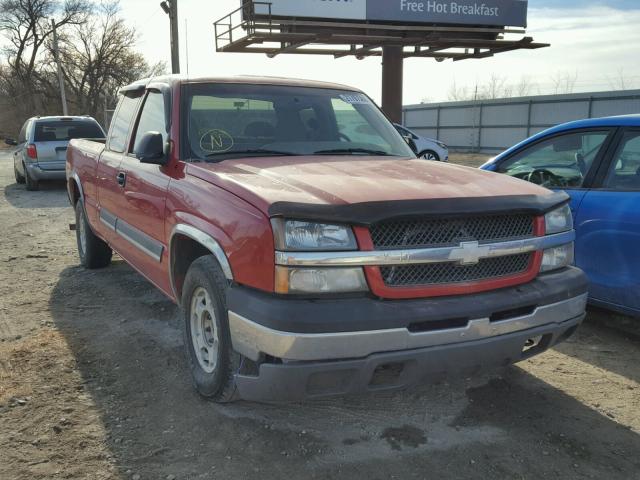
<point x="19" y="177"/>
<point x="218" y="384"/>
<point x="94" y="253"/>
<point x="424" y="155"/>
<point x="32" y="183"/>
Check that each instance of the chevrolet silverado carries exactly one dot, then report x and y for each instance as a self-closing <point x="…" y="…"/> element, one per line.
<point x="310" y="251"/>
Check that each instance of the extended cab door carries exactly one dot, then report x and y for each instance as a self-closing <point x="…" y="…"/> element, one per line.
<point x="608" y="228"/>
<point x="141" y="211"/>
<point x="109" y="181"/>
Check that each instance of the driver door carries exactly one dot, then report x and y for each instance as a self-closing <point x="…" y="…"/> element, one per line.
<point x="567" y="161"/>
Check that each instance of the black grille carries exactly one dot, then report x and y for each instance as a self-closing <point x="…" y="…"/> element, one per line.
<point x="452" y="273"/>
<point x="425" y="233"/>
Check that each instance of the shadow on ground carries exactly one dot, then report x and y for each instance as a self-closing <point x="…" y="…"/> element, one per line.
<point x="126" y="340"/>
<point x="606" y="341"/>
<point x="50" y="195"/>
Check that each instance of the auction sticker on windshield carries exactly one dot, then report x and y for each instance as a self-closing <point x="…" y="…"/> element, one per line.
<point x="355" y="98"/>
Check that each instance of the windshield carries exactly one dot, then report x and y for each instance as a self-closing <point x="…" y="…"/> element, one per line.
<point x="232" y="120"/>
<point x="65" y="130"/>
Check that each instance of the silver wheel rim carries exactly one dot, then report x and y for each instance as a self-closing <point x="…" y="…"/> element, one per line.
<point x="204" y="335"/>
<point x="82" y="234"/>
<point x="429" y="156"/>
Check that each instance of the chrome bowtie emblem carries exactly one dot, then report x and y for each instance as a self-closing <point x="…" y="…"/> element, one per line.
<point x="469" y="253"/>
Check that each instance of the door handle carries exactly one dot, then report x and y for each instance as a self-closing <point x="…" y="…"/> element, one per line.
<point x="122" y="178"/>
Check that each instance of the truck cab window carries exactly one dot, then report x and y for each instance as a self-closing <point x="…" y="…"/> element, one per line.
<point x="121" y="123"/>
<point x="152" y="118"/>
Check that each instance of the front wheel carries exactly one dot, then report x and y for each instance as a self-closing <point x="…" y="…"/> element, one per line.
<point x="429" y="155"/>
<point x="94" y="252"/>
<point x="207" y="339"/>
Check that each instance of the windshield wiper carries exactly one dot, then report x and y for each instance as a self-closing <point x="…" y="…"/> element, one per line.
<point x="255" y="151"/>
<point x="351" y="151"/>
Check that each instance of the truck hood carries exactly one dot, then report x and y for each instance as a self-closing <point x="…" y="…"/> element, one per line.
<point x="339" y="180"/>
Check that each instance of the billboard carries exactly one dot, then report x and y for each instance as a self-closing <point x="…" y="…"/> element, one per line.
<point x="333" y="9"/>
<point x="463" y="12"/>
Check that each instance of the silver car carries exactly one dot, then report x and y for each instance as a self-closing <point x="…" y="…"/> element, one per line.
<point x="426" y="148"/>
<point x="42" y="147"/>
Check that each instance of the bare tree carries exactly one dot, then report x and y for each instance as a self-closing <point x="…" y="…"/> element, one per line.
<point x="621" y="81"/>
<point x="564" y="82"/>
<point x="458" y="93"/>
<point x="496" y="87"/>
<point x="524" y="88"/>
<point x="26" y="25"/>
<point x="99" y="57"/>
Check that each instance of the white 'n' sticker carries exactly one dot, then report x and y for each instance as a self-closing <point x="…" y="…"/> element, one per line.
<point x="354" y="98"/>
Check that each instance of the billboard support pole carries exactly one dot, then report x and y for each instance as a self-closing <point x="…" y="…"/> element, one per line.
<point x="392" y="82"/>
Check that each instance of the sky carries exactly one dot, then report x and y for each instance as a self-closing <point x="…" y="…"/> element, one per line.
<point x="594" y="42"/>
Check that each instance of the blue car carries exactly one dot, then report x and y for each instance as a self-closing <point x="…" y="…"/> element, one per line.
<point x="597" y="162"/>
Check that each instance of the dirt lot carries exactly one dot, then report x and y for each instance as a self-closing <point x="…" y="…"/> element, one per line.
<point x="93" y="385"/>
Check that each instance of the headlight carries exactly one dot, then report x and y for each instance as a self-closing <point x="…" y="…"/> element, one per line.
<point x="441" y="145"/>
<point x="299" y="236"/>
<point x="557" y="257"/>
<point x="320" y="280"/>
<point x="559" y="220"/>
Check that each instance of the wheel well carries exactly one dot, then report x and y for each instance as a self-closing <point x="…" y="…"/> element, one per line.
<point x="184" y="251"/>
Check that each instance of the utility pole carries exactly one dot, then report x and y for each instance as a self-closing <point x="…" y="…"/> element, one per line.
<point x="170" y="7"/>
<point x="56" y="56"/>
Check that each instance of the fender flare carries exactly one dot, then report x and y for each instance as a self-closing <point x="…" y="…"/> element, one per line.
<point x="206" y="241"/>
<point x="74" y="176"/>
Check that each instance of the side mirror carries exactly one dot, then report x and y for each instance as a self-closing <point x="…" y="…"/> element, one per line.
<point x="151" y="149"/>
<point x="10" y="141"/>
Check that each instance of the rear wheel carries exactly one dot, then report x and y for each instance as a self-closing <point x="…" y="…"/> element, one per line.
<point x="429" y="155"/>
<point x="94" y="252"/>
<point x="207" y="339"/>
<point x="19" y="177"/>
<point x="32" y="183"/>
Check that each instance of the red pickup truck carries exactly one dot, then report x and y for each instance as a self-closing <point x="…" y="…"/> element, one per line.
<point x="311" y="252"/>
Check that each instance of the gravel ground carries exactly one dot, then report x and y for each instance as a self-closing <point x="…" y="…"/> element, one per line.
<point x="93" y="385"/>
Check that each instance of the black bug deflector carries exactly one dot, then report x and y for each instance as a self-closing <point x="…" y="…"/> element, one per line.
<point x="368" y="213"/>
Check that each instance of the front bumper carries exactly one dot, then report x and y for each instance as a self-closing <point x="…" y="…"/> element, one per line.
<point x="396" y="370"/>
<point x="252" y="339"/>
<point x="339" y="346"/>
